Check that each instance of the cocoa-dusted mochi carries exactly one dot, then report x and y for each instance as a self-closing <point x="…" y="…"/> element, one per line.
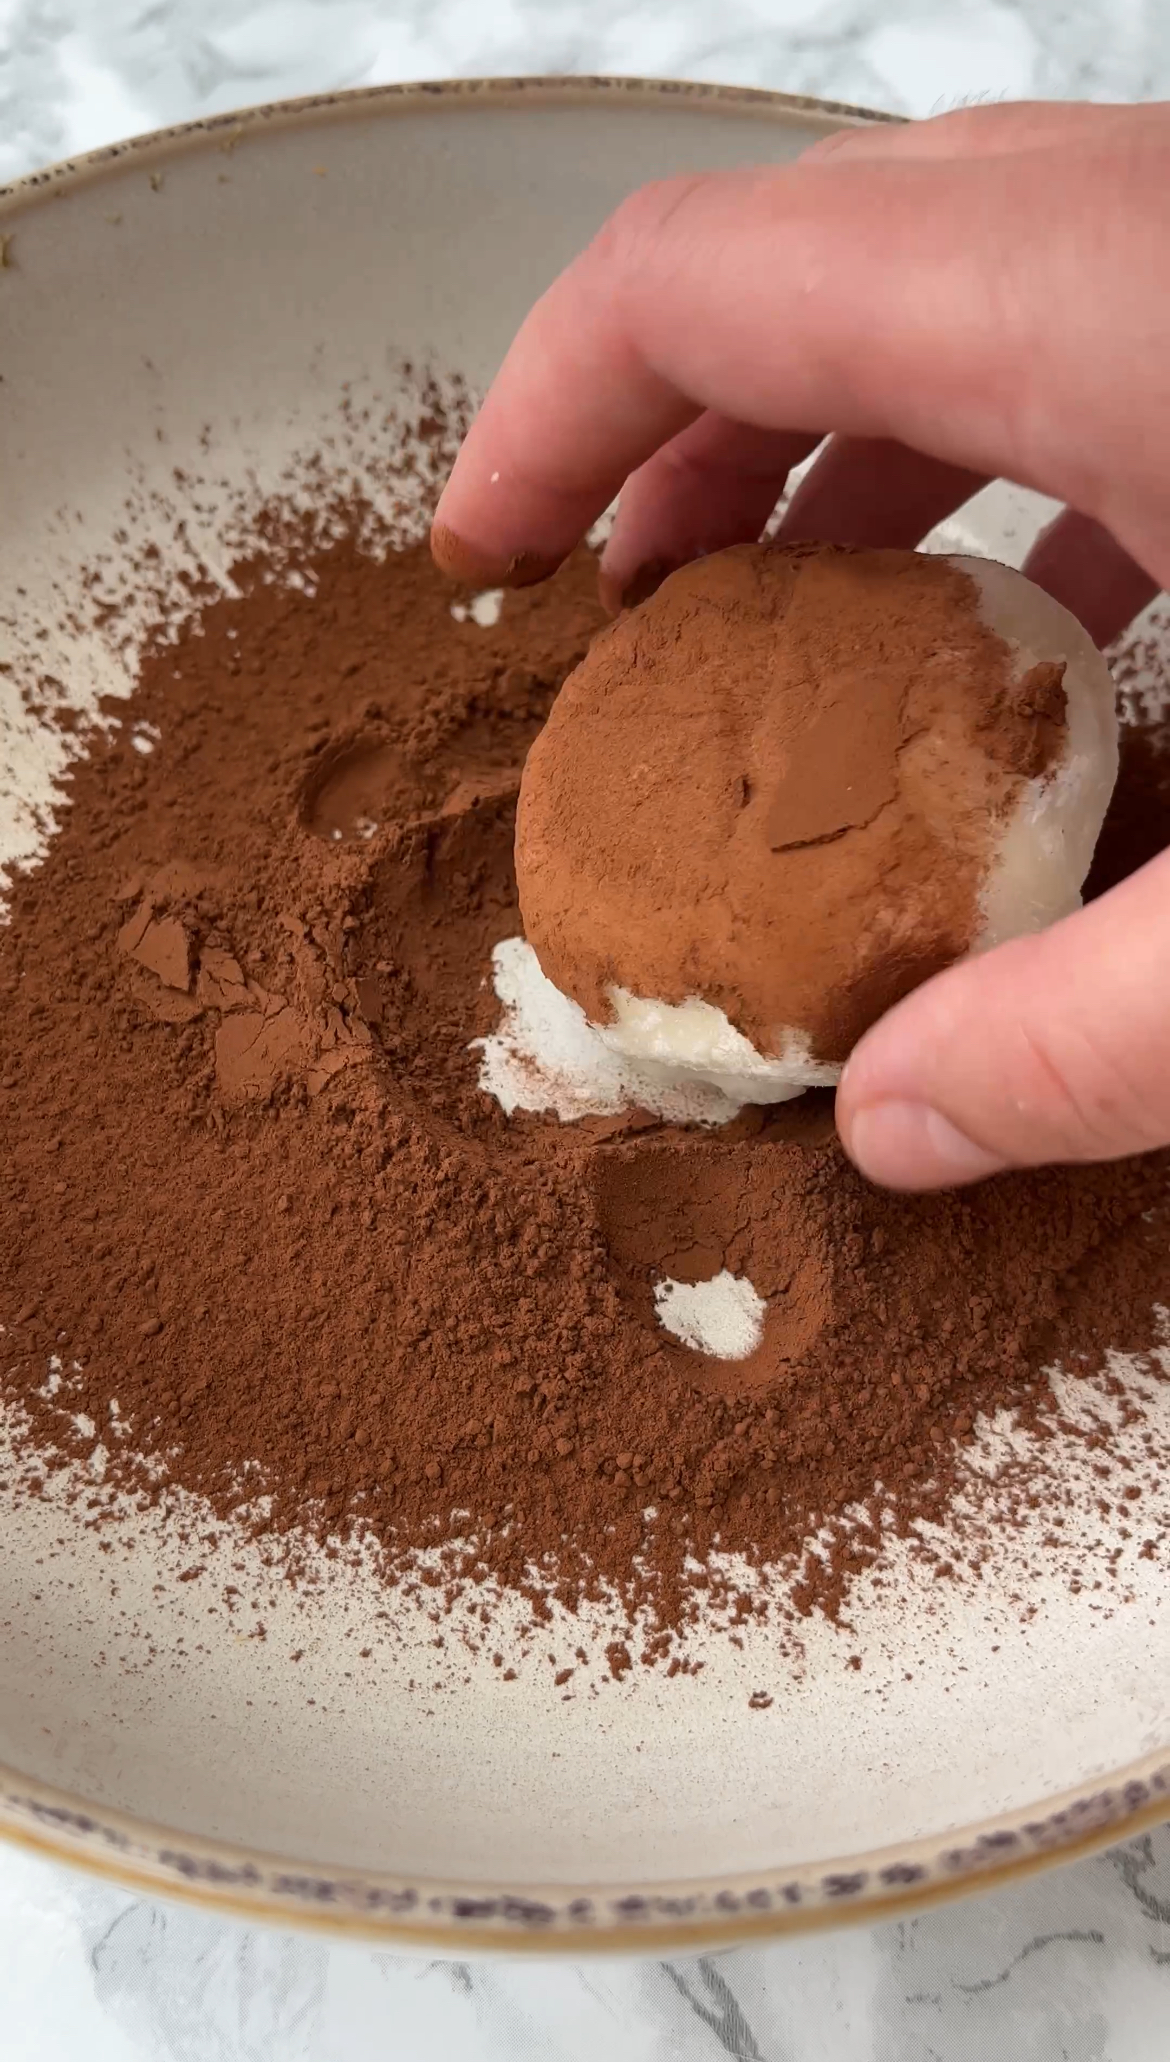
<point x="793" y="784"/>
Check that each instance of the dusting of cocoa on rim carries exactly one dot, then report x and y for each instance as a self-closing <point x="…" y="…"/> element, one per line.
<point x="284" y="1248"/>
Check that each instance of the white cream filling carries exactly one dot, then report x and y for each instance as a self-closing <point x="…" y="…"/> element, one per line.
<point x="696" y="1041"/>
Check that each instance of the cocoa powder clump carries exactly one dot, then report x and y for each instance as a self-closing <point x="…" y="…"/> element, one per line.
<point x="777" y="785"/>
<point x="255" y="1205"/>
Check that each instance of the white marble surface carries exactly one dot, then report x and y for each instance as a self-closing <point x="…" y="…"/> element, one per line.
<point x="74" y="73"/>
<point x="1071" y="1967"/>
<point x="1074" y="1967"/>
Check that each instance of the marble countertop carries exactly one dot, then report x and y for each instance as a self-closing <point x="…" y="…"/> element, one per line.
<point x="75" y="73"/>
<point x="1073" y="1966"/>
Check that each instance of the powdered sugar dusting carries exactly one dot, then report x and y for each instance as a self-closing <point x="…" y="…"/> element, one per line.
<point x="723" y="1316"/>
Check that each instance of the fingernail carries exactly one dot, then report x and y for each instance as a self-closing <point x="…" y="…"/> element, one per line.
<point x="912" y="1146"/>
<point x="461" y="560"/>
<point x="637" y="587"/>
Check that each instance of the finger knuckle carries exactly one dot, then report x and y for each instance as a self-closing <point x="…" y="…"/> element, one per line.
<point x="635" y="233"/>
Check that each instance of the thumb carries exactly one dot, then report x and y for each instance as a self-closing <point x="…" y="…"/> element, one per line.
<point x="1054" y="1047"/>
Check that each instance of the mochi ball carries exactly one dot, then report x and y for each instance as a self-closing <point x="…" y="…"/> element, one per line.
<point x="794" y="784"/>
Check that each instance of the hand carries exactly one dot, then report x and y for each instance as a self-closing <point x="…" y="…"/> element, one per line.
<point x="984" y="294"/>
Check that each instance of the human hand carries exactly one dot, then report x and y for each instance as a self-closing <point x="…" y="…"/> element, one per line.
<point x="984" y="294"/>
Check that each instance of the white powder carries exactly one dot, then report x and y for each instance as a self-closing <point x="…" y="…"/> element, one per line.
<point x="723" y="1316"/>
<point x="546" y="1055"/>
<point x="483" y="609"/>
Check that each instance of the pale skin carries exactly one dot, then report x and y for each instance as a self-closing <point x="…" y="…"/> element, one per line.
<point x="983" y="295"/>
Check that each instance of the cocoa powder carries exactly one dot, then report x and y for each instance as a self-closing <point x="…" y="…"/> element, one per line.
<point x="777" y="785"/>
<point x="280" y="1246"/>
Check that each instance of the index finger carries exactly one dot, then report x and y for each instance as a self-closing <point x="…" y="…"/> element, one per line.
<point x="962" y="307"/>
<point x="574" y="408"/>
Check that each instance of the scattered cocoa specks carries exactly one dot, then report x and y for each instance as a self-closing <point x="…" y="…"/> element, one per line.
<point x="310" y="1260"/>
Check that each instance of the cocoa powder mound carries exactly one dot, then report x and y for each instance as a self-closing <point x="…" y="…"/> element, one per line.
<point x="277" y="1244"/>
<point x="777" y="785"/>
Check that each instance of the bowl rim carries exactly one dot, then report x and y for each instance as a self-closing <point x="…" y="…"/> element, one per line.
<point x="390" y="1911"/>
<point x="565" y="1919"/>
<point x="418" y="96"/>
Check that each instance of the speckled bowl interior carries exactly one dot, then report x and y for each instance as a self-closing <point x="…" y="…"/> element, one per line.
<point x="200" y="304"/>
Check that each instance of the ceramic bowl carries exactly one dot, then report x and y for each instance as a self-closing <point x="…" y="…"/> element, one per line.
<point x="194" y="305"/>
